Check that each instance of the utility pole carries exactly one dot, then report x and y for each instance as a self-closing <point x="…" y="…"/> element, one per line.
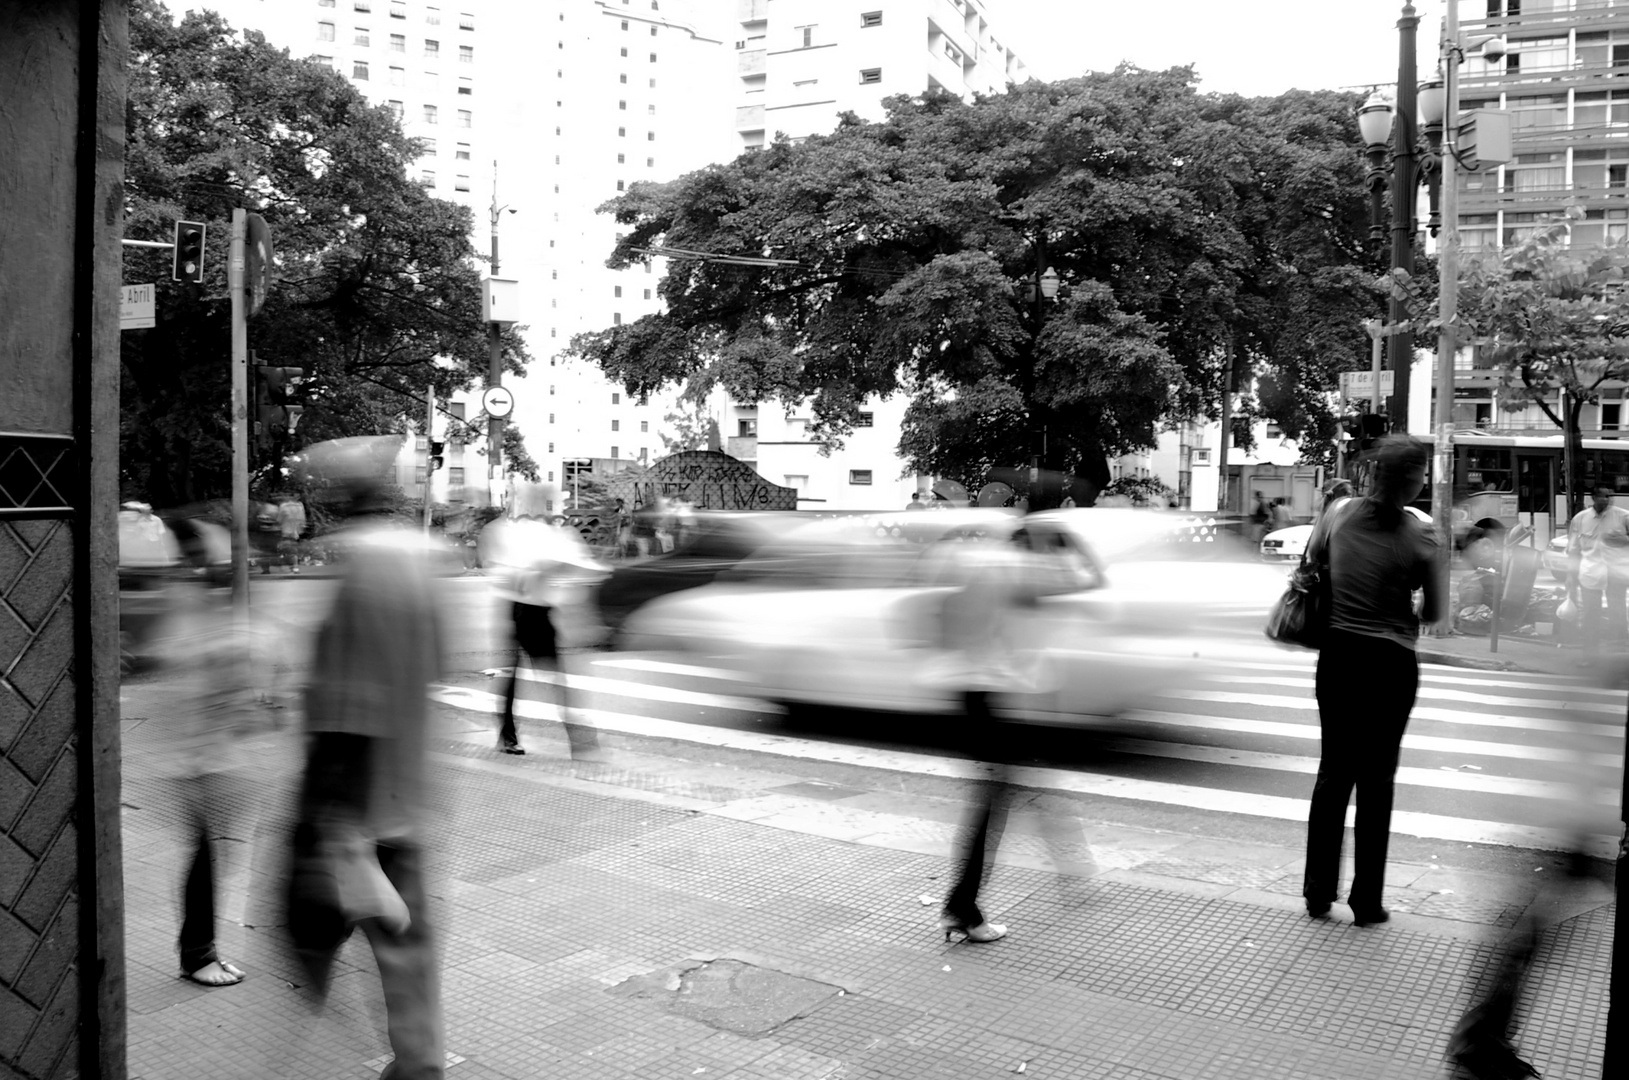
<point x="1400" y="348"/>
<point x="494" y="374"/>
<point x="240" y="418"/>
<point x="1442" y="473"/>
<point x="429" y="434"/>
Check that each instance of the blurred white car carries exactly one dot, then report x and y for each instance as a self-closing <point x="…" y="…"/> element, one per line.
<point x="846" y="613"/>
<point x="1286" y="544"/>
<point x="1555" y="557"/>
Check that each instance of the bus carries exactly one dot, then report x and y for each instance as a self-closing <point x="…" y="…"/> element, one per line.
<point x="1521" y="479"/>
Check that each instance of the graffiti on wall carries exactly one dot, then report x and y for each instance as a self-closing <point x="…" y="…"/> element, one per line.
<point x="707" y="479"/>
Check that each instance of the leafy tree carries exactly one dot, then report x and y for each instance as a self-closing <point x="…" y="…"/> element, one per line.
<point x="1552" y="318"/>
<point x="901" y="257"/>
<point x="377" y="293"/>
<point x="515" y="455"/>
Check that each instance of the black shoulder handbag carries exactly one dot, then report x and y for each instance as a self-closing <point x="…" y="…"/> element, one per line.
<point x="1301" y="615"/>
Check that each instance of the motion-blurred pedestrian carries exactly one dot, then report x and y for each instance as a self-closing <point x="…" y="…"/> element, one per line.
<point x="1280" y="516"/>
<point x="359" y="841"/>
<point x="533" y="564"/>
<point x="1260" y="515"/>
<point x="1598" y="566"/>
<point x="290" y="525"/>
<point x="208" y="652"/>
<point x="978" y="634"/>
<point x="1379" y="551"/>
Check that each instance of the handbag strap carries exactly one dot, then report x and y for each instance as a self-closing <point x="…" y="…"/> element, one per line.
<point x="1321" y="534"/>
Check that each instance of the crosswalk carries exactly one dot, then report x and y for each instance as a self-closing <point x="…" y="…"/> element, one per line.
<point x="1489" y="757"/>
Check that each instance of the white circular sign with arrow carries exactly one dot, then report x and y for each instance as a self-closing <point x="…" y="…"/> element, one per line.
<point x="497" y="402"/>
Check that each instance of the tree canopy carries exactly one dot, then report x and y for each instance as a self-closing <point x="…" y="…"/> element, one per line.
<point x="902" y="257"/>
<point x="376" y="293"/>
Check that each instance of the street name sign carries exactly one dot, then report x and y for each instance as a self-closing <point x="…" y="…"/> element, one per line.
<point x="1360" y="384"/>
<point x="136" y="307"/>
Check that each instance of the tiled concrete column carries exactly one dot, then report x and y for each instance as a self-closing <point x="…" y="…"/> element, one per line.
<point x="62" y="97"/>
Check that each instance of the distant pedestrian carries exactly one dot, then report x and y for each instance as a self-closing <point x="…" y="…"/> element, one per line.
<point x="533" y="562"/>
<point x="359" y="845"/>
<point x="1379" y="551"/>
<point x="1598" y="566"/>
<point x="1280" y="515"/>
<point x="1259" y="517"/>
<point x="916" y="502"/>
<point x="290" y="526"/>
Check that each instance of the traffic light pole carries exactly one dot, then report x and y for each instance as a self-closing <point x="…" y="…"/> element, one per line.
<point x="494" y="373"/>
<point x="240" y="420"/>
<point x="429" y="433"/>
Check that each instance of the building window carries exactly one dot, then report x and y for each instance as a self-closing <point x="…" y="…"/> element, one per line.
<point x="621" y="158"/>
<point x="614" y="452"/>
<point x="624" y="24"/>
<point x="462" y="153"/>
<point x="466" y="21"/>
<point x="419" y="473"/>
<point x="325" y="3"/>
<point x="647" y="294"/>
<point x="650" y="110"/>
<point x="650" y="163"/>
<point x="747" y="428"/>
<point x="359" y="69"/>
<point x="644" y="425"/>
<point x="616" y="425"/>
<point x="455" y="475"/>
<point x="624" y="50"/>
<point x="325" y="31"/>
<point x="616" y="318"/>
<point x="551" y="448"/>
<point x="461" y="183"/>
<point x="397" y="109"/>
<point x="465" y="88"/>
<point x="465" y="118"/>
<point x="859" y="476"/>
<point x="653" y="31"/>
<point x="616" y="399"/>
<point x="551" y="418"/>
<point x="616" y="290"/>
<point x="653" y="58"/>
<point x="432" y="49"/>
<point x="432" y="16"/>
<point x="398" y="43"/>
<point x="362" y="37"/>
<point x="325" y="61"/>
<point x="362" y="5"/>
<point x="650" y="136"/>
<point x="398" y="9"/>
<point x="622" y="133"/>
<point x="806" y="35"/>
<point x="864" y="420"/>
<point x="466" y="54"/>
<point x="428" y="177"/>
<point x="623" y="105"/>
<point x="796" y="482"/>
<point x="430" y="81"/>
<point x="397" y="76"/>
<point x="872" y="18"/>
<point x="430" y="114"/>
<point x="427" y="148"/>
<point x="623" y="79"/>
<point x="871" y="75"/>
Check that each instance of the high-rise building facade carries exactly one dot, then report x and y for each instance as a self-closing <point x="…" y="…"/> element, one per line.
<point x="1561" y="79"/>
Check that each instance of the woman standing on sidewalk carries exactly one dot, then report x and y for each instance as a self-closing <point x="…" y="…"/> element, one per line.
<point x="1379" y="552"/>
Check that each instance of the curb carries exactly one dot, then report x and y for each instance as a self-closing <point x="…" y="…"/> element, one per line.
<point x="1454" y="660"/>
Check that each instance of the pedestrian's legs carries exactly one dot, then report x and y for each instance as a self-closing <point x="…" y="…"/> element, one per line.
<point x="408" y="972"/>
<point x="1326" y="820"/>
<point x="1615" y="614"/>
<point x="1590" y="601"/>
<point x="508" y="737"/>
<point x="986" y="819"/>
<point x="198" y="905"/>
<point x="1395" y="673"/>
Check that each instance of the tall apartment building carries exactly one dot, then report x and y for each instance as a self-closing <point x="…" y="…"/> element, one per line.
<point x="1562" y="83"/>
<point x="428" y="62"/>
<point x="610" y="92"/>
<point x="799" y="64"/>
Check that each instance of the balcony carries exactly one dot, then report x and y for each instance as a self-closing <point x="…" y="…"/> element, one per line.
<point x="750" y="11"/>
<point x="749" y="62"/>
<point x="742" y="447"/>
<point x="749" y="118"/>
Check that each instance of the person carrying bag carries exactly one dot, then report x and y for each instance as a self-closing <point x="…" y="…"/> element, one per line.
<point x="1301" y="615"/>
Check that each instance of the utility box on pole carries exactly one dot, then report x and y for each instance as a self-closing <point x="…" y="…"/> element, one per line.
<point x="500" y="300"/>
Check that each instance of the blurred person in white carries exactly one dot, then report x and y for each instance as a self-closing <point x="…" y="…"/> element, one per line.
<point x="979" y="633"/>
<point x="1380" y="551"/>
<point x="1598" y="565"/>
<point x="359" y="841"/>
<point x="534" y="564"/>
<point x="205" y="747"/>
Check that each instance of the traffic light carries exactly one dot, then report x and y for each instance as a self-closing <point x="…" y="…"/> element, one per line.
<point x="273" y="410"/>
<point x="189" y="252"/>
<point x="436" y="458"/>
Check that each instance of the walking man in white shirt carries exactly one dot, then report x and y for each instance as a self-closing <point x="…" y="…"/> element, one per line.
<point x="1598" y="565"/>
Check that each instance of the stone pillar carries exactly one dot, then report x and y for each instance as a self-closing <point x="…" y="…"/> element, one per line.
<point x="62" y="98"/>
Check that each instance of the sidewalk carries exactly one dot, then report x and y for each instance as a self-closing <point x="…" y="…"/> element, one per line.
<point x="661" y="919"/>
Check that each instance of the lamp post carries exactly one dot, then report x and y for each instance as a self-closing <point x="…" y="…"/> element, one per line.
<point x="1392" y="130"/>
<point x="1038" y="290"/>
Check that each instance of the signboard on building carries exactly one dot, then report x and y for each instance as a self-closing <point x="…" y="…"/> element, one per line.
<point x="707" y="479"/>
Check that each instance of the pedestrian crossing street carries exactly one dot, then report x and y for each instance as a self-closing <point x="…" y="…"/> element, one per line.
<point x="1489" y="757"/>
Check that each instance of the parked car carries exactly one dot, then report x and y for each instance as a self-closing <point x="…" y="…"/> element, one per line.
<point x="1555" y="557"/>
<point x="1284" y="545"/>
<point x="719" y="542"/>
<point x="846" y="613"/>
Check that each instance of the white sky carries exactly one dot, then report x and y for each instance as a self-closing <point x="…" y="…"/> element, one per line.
<point x="1251" y="47"/>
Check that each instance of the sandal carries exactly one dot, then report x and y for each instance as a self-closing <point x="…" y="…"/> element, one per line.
<point x="215" y="973"/>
